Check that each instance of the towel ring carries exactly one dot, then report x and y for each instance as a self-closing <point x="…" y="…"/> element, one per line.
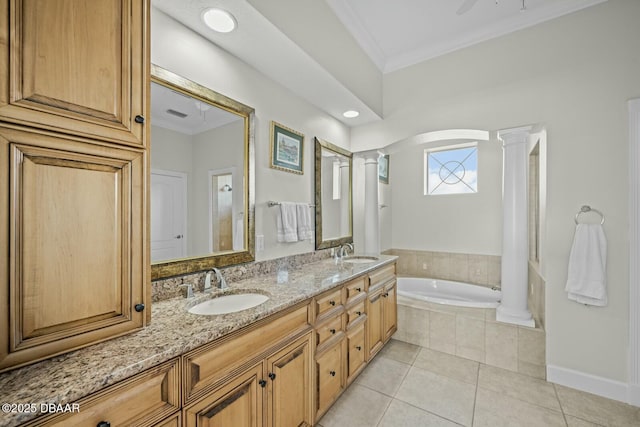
<point x="587" y="208"/>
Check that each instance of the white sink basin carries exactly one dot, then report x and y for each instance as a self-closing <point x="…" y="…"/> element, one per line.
<point x="360" y="259"/>
<point x="228" y="304"/>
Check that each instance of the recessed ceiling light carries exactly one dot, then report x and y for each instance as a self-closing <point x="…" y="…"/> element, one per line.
<point x="350" y="114"/>
<point x="219" y="20"/>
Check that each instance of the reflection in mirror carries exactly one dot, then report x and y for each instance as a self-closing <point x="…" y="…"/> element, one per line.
<point x="201" y="163"/>
<point x="333" y="195"/>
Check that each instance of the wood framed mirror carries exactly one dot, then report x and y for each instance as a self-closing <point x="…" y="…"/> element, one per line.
<point x="333" y="195"/>
<point x="202" y="177"/>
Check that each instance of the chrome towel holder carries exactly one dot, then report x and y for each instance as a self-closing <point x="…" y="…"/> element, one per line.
<point x="587" y="208"/>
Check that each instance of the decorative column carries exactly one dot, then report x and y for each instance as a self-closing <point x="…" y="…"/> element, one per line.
<point x="345" y="197"/>
<point x="371" y="209"/>
<point x="515" y="246"/>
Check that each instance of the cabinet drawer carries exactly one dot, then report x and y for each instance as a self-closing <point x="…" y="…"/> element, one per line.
<point x="355" y="288"/>
<point x="381" y="275"/>
<point x="328" y="330"/>
<point x="329" y="376"/>
<point x="208" y="365"/>
<point x="356" y="350"/>
<point x="144" y="400"/>
<point x="354" y="313"/>
<point x="327" y="301"/>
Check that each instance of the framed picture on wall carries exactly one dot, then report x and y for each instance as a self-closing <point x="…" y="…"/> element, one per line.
<point x="383" y="169"/>
<point x="287" y="149"/>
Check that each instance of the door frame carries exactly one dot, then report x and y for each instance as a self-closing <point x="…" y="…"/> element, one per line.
<point x="633" y="395"/>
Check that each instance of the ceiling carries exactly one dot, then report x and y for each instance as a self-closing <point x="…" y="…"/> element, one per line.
<point x="394" y="34"/>
<point x="399" y="33"/>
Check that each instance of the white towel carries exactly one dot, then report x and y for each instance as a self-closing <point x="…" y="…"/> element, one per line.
<point x="586" y="281"/>
<point x="238" y="235"/>
<point x="303" y="217"/>
<point x="287" y="223"/>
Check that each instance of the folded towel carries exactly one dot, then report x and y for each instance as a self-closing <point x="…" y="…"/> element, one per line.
<point x="586" y="281"/>
<point x="303" y="217"/>
<point x="287" y="223"/>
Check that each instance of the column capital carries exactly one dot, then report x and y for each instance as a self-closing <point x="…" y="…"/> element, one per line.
<point x="517" y="135"/>
<point x="369" y="155"/>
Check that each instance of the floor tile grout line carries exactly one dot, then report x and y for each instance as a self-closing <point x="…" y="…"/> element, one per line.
<point x="475" y="396"/>
<point x="564" y="416"/>
<point x="384" y="412"/>
<point x="428" y="412"/>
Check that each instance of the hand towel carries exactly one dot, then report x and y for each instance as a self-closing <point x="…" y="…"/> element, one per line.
<point x="586" y="281"/>
<point x="286" y="222"/>
<point x="303" y="217"/>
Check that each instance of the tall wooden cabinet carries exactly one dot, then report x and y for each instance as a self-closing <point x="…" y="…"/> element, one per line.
<point x="73" y="174"/>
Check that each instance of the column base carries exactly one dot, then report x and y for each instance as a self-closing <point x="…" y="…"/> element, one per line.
<point x="521" y="318"/>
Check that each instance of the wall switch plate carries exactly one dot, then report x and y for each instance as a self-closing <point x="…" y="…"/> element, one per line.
<point x="260" y="243"/>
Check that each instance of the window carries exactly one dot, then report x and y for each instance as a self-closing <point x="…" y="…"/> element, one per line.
<point x="451" y="170"/>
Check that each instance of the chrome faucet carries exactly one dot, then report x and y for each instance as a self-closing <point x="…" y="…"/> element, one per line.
<point x="207" y="282"/>
<point x="341" y="252"/>
<point x="189" y="287"/>
<point x="222" y="284"/>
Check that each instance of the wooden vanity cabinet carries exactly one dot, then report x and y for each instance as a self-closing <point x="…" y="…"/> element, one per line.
<point x="259" y="376"/>
<point x="389" y="310"/>
<point x="73" y="174"/>
<point x="150" y="398"/>
<point x="381" y="309"/>
<point x="76" y="66"/>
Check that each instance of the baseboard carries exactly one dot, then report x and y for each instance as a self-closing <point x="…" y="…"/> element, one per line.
<point x="593" y="384"/>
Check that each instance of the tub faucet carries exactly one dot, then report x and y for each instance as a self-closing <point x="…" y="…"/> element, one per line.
<point x="222" y="284"/>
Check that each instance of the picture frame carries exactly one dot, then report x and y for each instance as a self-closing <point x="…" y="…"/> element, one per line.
<point x="383" y="169"/>
<point x="287" y="149"/>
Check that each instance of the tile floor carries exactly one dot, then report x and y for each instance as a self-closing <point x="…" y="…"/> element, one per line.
<point x="408" y="385"/>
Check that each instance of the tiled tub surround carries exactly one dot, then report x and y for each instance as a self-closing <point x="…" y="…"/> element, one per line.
<point x="472" y="333"/>
<point x="172" y="332"/>
<point x="477" y="269"/>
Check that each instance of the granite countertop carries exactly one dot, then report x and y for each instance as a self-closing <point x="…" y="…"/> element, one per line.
<point x="172" y="332"/>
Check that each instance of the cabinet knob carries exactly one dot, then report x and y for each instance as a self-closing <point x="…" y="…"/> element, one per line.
<point x="385" y="295"/>
<point x="332" y="373"/>
<point x="138" y="308"/>
<point x="179" y="236"/>
<point x="262" y="383"/>
<point x="358" y="347"/>
<point x="272" y="376"/>
<point x="139" y="119"/>
<point x="333" y="331"/>
<point x="359" y="313"/>
<point x="332" y="303"/>
<point x="359" y="289"/>
<point x="104" y="424"/>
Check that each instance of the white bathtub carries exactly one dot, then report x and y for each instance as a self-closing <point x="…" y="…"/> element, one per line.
<point x="448" y="292"/>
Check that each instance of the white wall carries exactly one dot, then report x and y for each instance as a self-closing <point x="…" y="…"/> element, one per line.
<point x="574" y="75"/>
<point x="458" y="223"/>
<point x="182" y="51"/>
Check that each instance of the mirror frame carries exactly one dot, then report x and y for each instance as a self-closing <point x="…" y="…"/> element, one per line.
<point x="171" y="268"/>
<point x="330" y="243"/>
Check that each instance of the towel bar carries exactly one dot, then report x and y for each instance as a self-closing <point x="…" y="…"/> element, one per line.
<point x="271" y="204"/>
<point x="587" y="208"/>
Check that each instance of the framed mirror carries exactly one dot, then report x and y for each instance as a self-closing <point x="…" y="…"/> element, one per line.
<point x="333" y="180"/>
<point x="202" y="177"/>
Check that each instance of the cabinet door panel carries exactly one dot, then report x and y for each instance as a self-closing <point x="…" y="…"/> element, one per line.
<point x="290" y="393"/>
<point x="238" y="403"/>
<point x="390" y="311"/>
<point x="76" y="65"/>
<point x="329" y="372"/>
<point x="75" y="274"/>
<point x="374" y="323"/>
<point x="356" y="351"/>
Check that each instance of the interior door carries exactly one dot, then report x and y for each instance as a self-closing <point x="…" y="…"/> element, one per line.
<point x="168" y="215"/>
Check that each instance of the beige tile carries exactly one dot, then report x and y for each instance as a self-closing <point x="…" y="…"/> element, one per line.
<point x="521" y="387"/>
<point x="501" y="345"/>
<point x="536" y="371"/>
<point x="531" y="345"/>
<point x="459" y="267"/>
<point x="440" y="395"/>
<point x="478" y="269"/>
<point x="577" y="422"/>
<point x="400" y="414"/>
<point x="413" y="325"/>
<point x="441" y="265"/>
<point x="424" y="264"/>
<point x="597" y="409"/>
<point x="358" y="406"/>
<point x="400" y="351"/>
<point x="406" y="264"/>
<point x="494" y="271"/>
<point x="496" y="410"/>
<point x="442" y="332"/>
<point x="470" y="338"/>
<point x="447" y="365"/>
<point x="476" y="313"/>
<point x="383" y="375"/>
